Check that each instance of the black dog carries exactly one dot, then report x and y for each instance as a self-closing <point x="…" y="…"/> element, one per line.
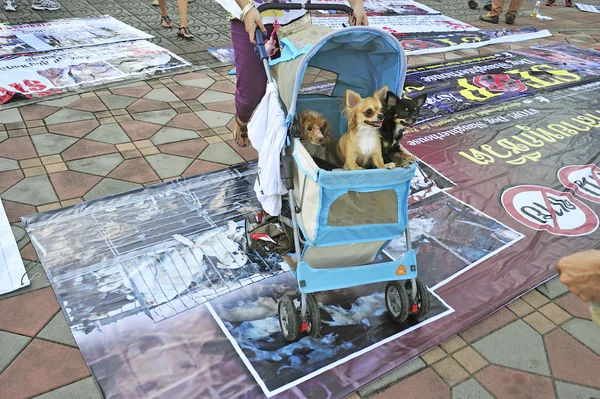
<point x="399" y="113"/>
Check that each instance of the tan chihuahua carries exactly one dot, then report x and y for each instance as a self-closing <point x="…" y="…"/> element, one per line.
<point x="360" y="146"/>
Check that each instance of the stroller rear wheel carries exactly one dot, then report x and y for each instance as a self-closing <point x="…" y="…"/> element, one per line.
<point x="289" y="319"/>
<point x="396" y="301"/>
<point x="422" y="299"/>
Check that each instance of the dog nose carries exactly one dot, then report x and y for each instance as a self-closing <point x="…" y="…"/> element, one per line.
<point x="380" y="117"/>
<point x="321" y="139"/>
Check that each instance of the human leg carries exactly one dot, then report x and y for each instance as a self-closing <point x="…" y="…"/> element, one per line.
<point x="165" y="21"/>
<point x="184" y="32"/>
<point x="513" y="10"/>
<point x="494" y="15"/>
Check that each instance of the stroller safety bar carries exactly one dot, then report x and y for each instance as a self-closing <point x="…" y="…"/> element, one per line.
<point x="307" y="6"/>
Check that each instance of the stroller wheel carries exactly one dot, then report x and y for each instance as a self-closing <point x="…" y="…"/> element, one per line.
<point x="422" y="299"/>
<point x="289" y="319"/>
<point x="396" y="301"/>
<point x="314" y="316"/>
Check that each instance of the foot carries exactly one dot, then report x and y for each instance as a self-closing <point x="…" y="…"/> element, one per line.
<point x="510" y="19"/>
<point x="473" y="4"/>
<point x="9" y="5"/>
<point x="155" y="3"/>
<point x="550" y="3"/>
<point x="568" y="3"/>
<point x="165" y="22"/>
<point x="491" y="19"/>
<point x="240" y="133"/>
<point x="390" y="165"/>
<point x="185" y="33"/>
<point x="487" y="7"/>
<point x="45" y="5"/>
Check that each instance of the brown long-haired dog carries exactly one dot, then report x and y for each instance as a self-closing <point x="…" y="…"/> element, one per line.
<point x="360" y="146"/>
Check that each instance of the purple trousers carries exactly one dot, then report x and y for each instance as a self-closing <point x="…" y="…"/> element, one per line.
<point x="250" y="74"/>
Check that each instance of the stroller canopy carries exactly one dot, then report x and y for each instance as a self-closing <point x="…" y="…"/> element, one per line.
<point x="364" y="59"/>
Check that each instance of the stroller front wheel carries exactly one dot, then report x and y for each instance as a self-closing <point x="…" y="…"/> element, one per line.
<point x="396" y="301"/>
<point x="289" y="319"/>
<point x="422" y="300"/>
<point x="314" y="316"/>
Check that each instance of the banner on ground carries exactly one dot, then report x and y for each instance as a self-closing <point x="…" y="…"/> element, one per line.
<point x="588" y="8"/>
<point x="458" y="85"/>
<point x="43" y="74"/>
<point x="65" y="34"/>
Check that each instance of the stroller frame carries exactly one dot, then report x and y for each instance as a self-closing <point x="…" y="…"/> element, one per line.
<point x="405" y="295"/>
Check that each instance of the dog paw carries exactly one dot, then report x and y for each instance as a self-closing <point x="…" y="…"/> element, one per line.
<point x="390" y="165"/>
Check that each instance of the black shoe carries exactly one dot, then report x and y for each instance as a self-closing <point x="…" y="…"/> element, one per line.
<point x="510" y="19"/>
<point x="487" y="7"/>
<point x="550" y="3"/>
<point x="473" y="5"/>
<point x="487" y="18"/>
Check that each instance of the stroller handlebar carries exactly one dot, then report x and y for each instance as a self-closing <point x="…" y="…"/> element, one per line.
<point x="307" y="6"/>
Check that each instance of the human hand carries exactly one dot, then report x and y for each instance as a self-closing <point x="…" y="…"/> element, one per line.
<point x="252" y="21"/>
<point x="580" y="272"/>
<point x="359" y="16"/>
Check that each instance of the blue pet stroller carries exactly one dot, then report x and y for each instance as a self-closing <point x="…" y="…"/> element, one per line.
<point x="346" y="217"/>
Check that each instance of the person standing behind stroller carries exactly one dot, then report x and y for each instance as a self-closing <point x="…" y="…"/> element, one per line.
<point x="251" y="77"/>
<point x="497" y="6"/>
<point x="487" y="5"/>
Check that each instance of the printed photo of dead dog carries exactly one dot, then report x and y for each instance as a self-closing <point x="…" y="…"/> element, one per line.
<point x="448" y="236"/>
<point x="352" y="320"/>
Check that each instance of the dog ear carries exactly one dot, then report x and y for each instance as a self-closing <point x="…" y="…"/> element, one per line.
<point x="390" y="99"/>
<point x="352" y="98"/>
<point x="420" y="100"/>
<point x="381" y="93"/>
<point x="326" y="133"/>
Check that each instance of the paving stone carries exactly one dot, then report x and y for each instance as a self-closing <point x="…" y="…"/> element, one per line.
<point x="18" y="232"/>
<point x="28" y="252"/>
<point x="470" y="389"/>
<point x="51" y="159"/>
<point x="186" y="93"/>
<point x="3" y="136"/>
<point x="89" y="104"/>
<point x="100" y="166"/>
<point x="113" y="101"/>
<point x="433" y="355"/>
<point x="147" y="106"/>
<point x="17" y="148"/>
<point x="392" y="377"/>
<point x="162" y="95"/>
<point x="159" y="117"/>
<point x="586" y="332"/>
<point x="189" y="121"/>
<point x="553" y="288"/>
<point x="87" y="148"/>
<point x="535" y="299"/>
<point x="49" y="144"/>
<point x="450" y="371"/>
<point x="189" y="76"/>
<point x="84" y="389"/>
<point x="110" y="187"/>
<point x="570" y="391"/>
<point x="56" y="167"/>
<point x="202" y="83"/>
<point x="137" y="130"/>
<point x="14" y="210"/>
<point x="36" y="112"/>
<point x="554" y="313"/>
<point x="111" y="134"/>
<point x="200" y="167"/>
<point x="210" y="96"/>
<point x="227" y="107"/>
<point x="520" y="307"/>
<point x="10" y="116"/>
<point x="187" y="148"/>
<point x="74" y="129"/>
<point x="575" y="306"/>
<point x="221" y="153"/>
<point x="171" y="135"/>
<point x="39" y="306"/>
<point x="69" y="184"/>
<point x="168" y="165"/>
<point x="41" y="367"/>
<point x="526" y="348"/>
<point x="38" y="170"/>
<point x="68" y="115"/>
<point x="539" y="322"/>
<point x="453" y="344"/>
<point x="134" y="170"/>
<point x="138" y="91"/>
<point x="8" y="164"/>
<point x="423" y="385"/>
<point x="470" y="359"/>
<point x="571" y="361"/>
<point x="224" y="86"/>
<point x="12" y="345"/>
<point x="61" y="102"/>
<point x="9" y="179"/>
<point x="57" y="330"/>
<point x="35" y="190"/>
<point x="505" y="383"/>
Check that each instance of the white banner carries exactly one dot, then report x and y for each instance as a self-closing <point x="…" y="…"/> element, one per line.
<point x="12" y="271"/>
<point x="65" y="34"/>
<point x="58" y="71"/>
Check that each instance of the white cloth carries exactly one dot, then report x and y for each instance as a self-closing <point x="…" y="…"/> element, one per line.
<point x="268" y="17"/>
<point x="267" y="132"/>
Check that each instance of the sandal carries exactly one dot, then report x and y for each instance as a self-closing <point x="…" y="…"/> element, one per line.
<point x="185" y="33"/>
<point x="165" y="22"/>
<point x="240" y="133"/>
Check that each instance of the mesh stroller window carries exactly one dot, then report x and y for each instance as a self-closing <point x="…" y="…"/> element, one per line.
<point x="360" y="208"/>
